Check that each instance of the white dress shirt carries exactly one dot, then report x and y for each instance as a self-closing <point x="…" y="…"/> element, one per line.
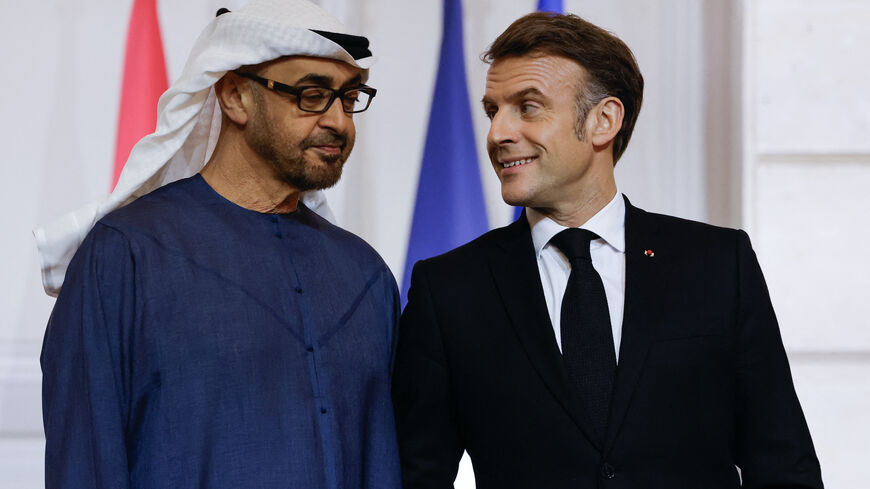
<point x="608" y="259"/>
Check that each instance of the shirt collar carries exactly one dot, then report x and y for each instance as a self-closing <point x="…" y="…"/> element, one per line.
<point x="609" y="223"/>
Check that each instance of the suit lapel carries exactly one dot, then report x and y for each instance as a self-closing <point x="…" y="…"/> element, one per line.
<point x="515" y="271"/>
<point x="642" y="281"/>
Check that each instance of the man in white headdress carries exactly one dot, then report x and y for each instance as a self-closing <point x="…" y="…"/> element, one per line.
<point x="215" y="331"/>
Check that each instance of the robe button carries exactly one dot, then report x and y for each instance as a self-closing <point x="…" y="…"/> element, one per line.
<point x="298" y="290"/>
<point x="607" y="471"/>
<point x="323" y="410"/>
<point x="310" y="349"/>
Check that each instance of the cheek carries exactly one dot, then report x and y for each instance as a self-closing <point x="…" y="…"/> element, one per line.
<point x="298" y="131"/>
<point x="545" y="136"/>
<point x="577" y="153"/>
<point x="351" y="139"/>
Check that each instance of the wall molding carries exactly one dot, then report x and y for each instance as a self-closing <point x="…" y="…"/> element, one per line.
<point x="829" y="357"/>
<point x="810" y="158"/>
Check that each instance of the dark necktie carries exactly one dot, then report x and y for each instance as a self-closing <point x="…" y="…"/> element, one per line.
<point x="587" y="337"/>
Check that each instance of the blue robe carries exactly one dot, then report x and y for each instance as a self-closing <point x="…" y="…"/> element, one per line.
<point x="198" y="344"/>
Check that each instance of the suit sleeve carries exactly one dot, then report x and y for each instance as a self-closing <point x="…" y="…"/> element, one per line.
<point x="84" y="401"/>
<point x="774" y="448"/>
<point x="429" y="443"/>
<point x="395" y="304"/>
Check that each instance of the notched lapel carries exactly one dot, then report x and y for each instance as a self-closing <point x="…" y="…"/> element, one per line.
<point x="643" y="261"/>
<point x="518" y="281"/>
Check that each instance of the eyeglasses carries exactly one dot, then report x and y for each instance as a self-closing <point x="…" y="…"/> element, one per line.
<point x="319" y="99"/>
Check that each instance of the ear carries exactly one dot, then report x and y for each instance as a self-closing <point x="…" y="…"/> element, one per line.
<point x="605" y="121"/>
<point x="234" y="96"/>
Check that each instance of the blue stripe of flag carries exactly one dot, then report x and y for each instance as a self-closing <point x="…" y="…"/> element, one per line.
<point x="550" y="6"/>
<point x="450" y="208"/>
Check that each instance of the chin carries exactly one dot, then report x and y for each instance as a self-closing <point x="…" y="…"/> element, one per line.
<point x="312" y="179"/>
<point x="519" y="199"/>
<point x="518" y="202"/>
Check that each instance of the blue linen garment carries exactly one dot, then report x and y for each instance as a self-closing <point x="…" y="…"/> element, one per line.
<point x="197" y="344"/>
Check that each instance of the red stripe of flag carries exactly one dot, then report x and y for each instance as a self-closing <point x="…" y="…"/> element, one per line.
<point x="144" y="81"/>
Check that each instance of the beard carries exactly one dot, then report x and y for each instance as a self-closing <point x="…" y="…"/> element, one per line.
<point x="287" y="157"/>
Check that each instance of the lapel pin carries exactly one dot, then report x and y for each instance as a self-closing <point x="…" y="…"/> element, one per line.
<point x="649" y="253"/>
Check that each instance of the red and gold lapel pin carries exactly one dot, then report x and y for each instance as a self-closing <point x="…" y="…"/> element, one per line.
<point x="649" y="253"/>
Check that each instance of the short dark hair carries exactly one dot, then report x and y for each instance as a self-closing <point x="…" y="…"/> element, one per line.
<point x="610" y="67"/>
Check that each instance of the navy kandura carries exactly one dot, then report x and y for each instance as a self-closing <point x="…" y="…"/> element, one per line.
<point x="198" y="344"/>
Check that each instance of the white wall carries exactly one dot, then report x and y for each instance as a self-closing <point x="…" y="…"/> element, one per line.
<point x="806" y="171"/>
<point x="752" y="116"/>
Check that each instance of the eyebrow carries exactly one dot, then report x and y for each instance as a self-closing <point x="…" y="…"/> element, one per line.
<point x="526" y="92"/>
<point x="521" y="94"/>
<point x="357" y="80"/>
<point x="326" y="81"/>
<point x="313" y="78"/>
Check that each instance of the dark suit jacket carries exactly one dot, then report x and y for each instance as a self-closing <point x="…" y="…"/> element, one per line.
<point x="703" y="383"/>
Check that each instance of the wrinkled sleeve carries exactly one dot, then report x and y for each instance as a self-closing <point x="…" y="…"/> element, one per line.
<point x="429" y="444"/>
<point x="773" y="441"/>
<point x="83" y="364"/>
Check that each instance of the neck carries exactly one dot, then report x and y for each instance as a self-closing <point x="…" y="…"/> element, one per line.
<point x="590" y="199"/>
<point x="245" y="180"/>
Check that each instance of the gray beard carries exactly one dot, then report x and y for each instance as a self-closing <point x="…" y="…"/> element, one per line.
<point x="288" y="161"/>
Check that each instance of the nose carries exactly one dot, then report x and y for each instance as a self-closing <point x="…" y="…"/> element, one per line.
<point x="335" y="119"/>
<point x="502" y="129"/>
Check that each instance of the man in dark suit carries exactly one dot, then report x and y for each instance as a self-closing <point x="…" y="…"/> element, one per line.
<point x="638" y="351"/>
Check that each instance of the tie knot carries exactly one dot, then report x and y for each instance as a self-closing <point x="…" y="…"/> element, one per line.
<point x="574" y="242"/>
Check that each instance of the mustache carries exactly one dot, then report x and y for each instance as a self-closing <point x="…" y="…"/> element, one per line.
<point x="325" y="139"/>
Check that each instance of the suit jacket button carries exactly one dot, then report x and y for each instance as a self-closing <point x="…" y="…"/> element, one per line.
<point x="607" y="471"/>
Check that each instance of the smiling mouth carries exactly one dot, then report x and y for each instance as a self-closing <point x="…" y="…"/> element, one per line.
<point x="513" y="163"/>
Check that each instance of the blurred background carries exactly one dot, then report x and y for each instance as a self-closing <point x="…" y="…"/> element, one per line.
<point x="756" y="115"/>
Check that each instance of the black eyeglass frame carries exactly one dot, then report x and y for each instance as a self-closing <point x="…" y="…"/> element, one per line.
<point x="297" y="91"/>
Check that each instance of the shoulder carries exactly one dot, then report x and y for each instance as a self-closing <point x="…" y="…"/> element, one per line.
<point x="472" y="257"/>
<point x="354" y="257"/>
<point x="685" y="232"/>
<point x="114" y="240"/>
<point x="344" y="250"/>
<point x="162" y="206"/>
<point x="692" y="229"/>
<point x="474" y="249"/>
<point x="685" y="243"/>
<point x="103" y="259"/>
<point x="339" y="239"/>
